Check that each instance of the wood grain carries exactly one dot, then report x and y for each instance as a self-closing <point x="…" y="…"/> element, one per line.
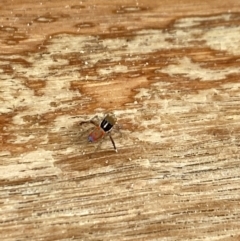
<point x="169" y="71"/>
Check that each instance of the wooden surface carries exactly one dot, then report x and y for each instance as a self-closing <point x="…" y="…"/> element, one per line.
<point x="169" y="71"/>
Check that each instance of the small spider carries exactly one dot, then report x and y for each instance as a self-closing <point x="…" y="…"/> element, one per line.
<point x="101" y="130"/>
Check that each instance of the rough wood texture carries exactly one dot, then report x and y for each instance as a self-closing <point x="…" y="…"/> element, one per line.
<point x="169" y="71"/>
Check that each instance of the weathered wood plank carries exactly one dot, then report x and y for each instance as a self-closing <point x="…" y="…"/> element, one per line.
<point x="168" y="71"/>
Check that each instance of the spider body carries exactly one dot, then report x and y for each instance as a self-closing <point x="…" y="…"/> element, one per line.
<point x="101" y="130"/>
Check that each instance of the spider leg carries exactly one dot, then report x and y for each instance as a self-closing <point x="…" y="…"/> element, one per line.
<point x="99" y="145"/>
<point x="87" y="122"/>
<point x="113" y="143"/>
<point x="91" y="121"/>
<point x="118" y="129"/>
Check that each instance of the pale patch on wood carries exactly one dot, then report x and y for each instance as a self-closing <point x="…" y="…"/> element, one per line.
<point x="193" y="71"/>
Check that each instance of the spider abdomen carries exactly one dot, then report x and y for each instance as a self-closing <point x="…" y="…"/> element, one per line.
<point x="96" y="134"/>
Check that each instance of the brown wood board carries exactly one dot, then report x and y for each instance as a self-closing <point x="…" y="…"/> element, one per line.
<point x="169" y="71"/>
